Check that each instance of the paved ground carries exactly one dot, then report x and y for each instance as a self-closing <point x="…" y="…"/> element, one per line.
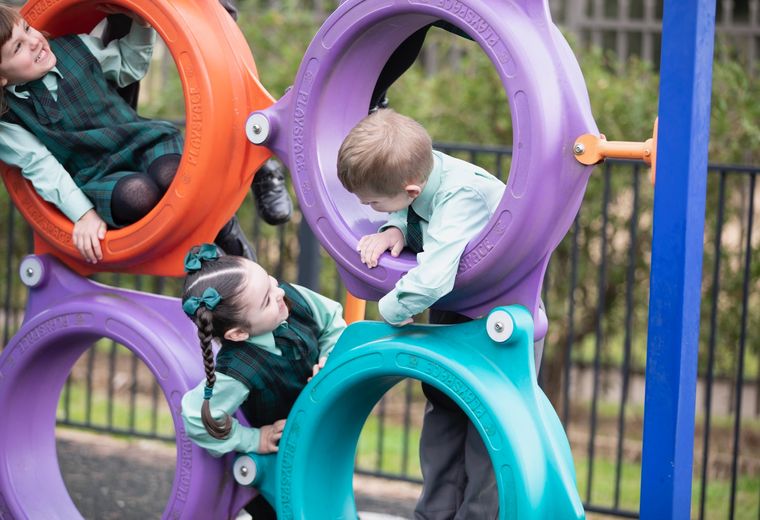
<point x="111" y="479"/>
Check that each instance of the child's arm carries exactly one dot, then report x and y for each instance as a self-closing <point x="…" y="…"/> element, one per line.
<point x="452" y="225"/>
<point x="391" y="236"/>
<point x="328" y="314"/>
<point x="88" y="232"/>
<point x="228" y="395"/>
<point x="126" y="59"/>
<point x="270" y="437"/>
<point x="370" y="247"/>
<point x="21" y="148"/>
<point x="396" y="219"/>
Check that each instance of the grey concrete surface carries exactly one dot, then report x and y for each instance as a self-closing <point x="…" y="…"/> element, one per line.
<point x="114" y="479"/>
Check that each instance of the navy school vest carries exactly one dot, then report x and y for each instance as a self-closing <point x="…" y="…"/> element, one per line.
<point x="98" y="133"/>
<point x="274" y="381"/>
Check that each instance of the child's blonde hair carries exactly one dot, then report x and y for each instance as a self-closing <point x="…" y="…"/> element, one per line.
<point x="9" y="17"/>
<point x="384" y="152"/>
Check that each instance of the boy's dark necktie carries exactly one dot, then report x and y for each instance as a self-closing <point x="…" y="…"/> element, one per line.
<point x="44" y="104"/>
<point x="413" y="231"/>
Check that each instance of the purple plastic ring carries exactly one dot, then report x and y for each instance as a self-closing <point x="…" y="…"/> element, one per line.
<point x="65" y="315"/>
<point x="549" y="103"/>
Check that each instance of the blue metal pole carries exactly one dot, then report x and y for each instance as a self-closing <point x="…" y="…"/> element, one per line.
<point x="679" y="211"/>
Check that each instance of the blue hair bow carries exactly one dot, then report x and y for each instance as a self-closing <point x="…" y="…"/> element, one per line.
<point x="195" y="258"/>
<point x="210" y="298"/>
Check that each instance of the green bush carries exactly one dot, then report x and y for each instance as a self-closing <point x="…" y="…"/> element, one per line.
<point x="463" y="101"/>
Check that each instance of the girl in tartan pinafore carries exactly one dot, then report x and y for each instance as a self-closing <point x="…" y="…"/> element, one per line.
<point x="96" y="136"/>
<point x="80" y="144"/>
<point x="274" y="338"/>
<point x="73" y="136"/>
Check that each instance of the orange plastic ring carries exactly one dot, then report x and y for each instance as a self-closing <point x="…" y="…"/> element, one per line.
<point x="218" y="162"/>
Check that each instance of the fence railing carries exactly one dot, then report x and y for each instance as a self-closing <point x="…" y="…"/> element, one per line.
<point x="596" y="294"/>
<point x="634" y="27"/>
<point x="625" y="27"/>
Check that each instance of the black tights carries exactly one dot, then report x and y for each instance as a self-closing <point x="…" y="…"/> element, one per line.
<point x="260" y="509"/>
<point x="136" y="194"/>
<point x="403" y="58"/>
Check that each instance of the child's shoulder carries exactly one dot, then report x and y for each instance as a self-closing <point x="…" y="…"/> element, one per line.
<point x="311" y="302"/>
<point x="71" y="48"/>
<point x="299" y="296"/>
<point x="459" y="166"/>
<point x="68" y="40"/>
<point x="458" y="173"/>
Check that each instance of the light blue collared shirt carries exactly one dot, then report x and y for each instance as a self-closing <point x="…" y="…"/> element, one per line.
<point x="229" y="393"/>
<point x="123" y="61"/>
<point x="456" y="203"/>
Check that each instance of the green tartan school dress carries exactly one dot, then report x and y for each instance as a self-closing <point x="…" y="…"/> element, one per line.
<point x="90" y="130"/>
<point x="274" y="382"/>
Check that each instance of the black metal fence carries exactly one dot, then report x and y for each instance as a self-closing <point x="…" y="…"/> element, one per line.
<point x="596" y="293"/>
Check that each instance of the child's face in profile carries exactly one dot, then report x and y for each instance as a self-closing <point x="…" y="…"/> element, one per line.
<point x="26" y="56"/>
<point x="385" y="203"/>
<point x="263" y="301"/>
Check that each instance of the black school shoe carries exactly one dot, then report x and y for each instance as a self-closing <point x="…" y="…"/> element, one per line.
<point x="231" y="7"/>
<point x="260" y="509"/>
<point x="273" y="202"/>
<point x="233" y="241"/>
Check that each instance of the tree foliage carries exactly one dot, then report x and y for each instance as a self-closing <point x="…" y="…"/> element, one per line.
<point x="463" y="101"/>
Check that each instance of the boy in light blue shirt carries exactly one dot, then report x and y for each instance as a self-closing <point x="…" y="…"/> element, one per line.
<point x="437" y="204"/>
<point x="388" y="162"/>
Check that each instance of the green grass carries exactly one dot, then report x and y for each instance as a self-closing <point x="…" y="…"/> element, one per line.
<point x="718" y="490"/>
<point x="392" y="460"/>
<point x="122" y="417"/>
<point x="604" y="476"/>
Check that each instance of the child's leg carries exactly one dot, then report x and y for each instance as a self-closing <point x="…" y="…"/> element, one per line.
<point x="273" y="203"/>
<point x="231" y="238"/>
<point x="133" y="197"/>
<point x="136" y="194"/>
<point x="260" y="509"/>
<point x="163" y="169"/>
<point x="117" y="27"/>
<point x="270" y="192"/>
<point x="233" y="241"/>
<point x="481" y="496"/>
<point x="442" y="457"/>
<point x="446" y="444"/>
<point x="122" y="198"/>
<point x="398" y="63"/>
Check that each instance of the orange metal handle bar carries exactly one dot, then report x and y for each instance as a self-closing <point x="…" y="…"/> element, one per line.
<point x="592" y="149"/>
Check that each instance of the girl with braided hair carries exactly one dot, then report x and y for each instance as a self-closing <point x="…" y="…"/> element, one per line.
<point x="274" y="338"/>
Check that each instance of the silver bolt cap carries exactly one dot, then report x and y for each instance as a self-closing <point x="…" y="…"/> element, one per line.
<point x="244" y="470"/>
<point x="257" y="128"/>
<point x="500" y="326"/>
<point x="31" y="271"/>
